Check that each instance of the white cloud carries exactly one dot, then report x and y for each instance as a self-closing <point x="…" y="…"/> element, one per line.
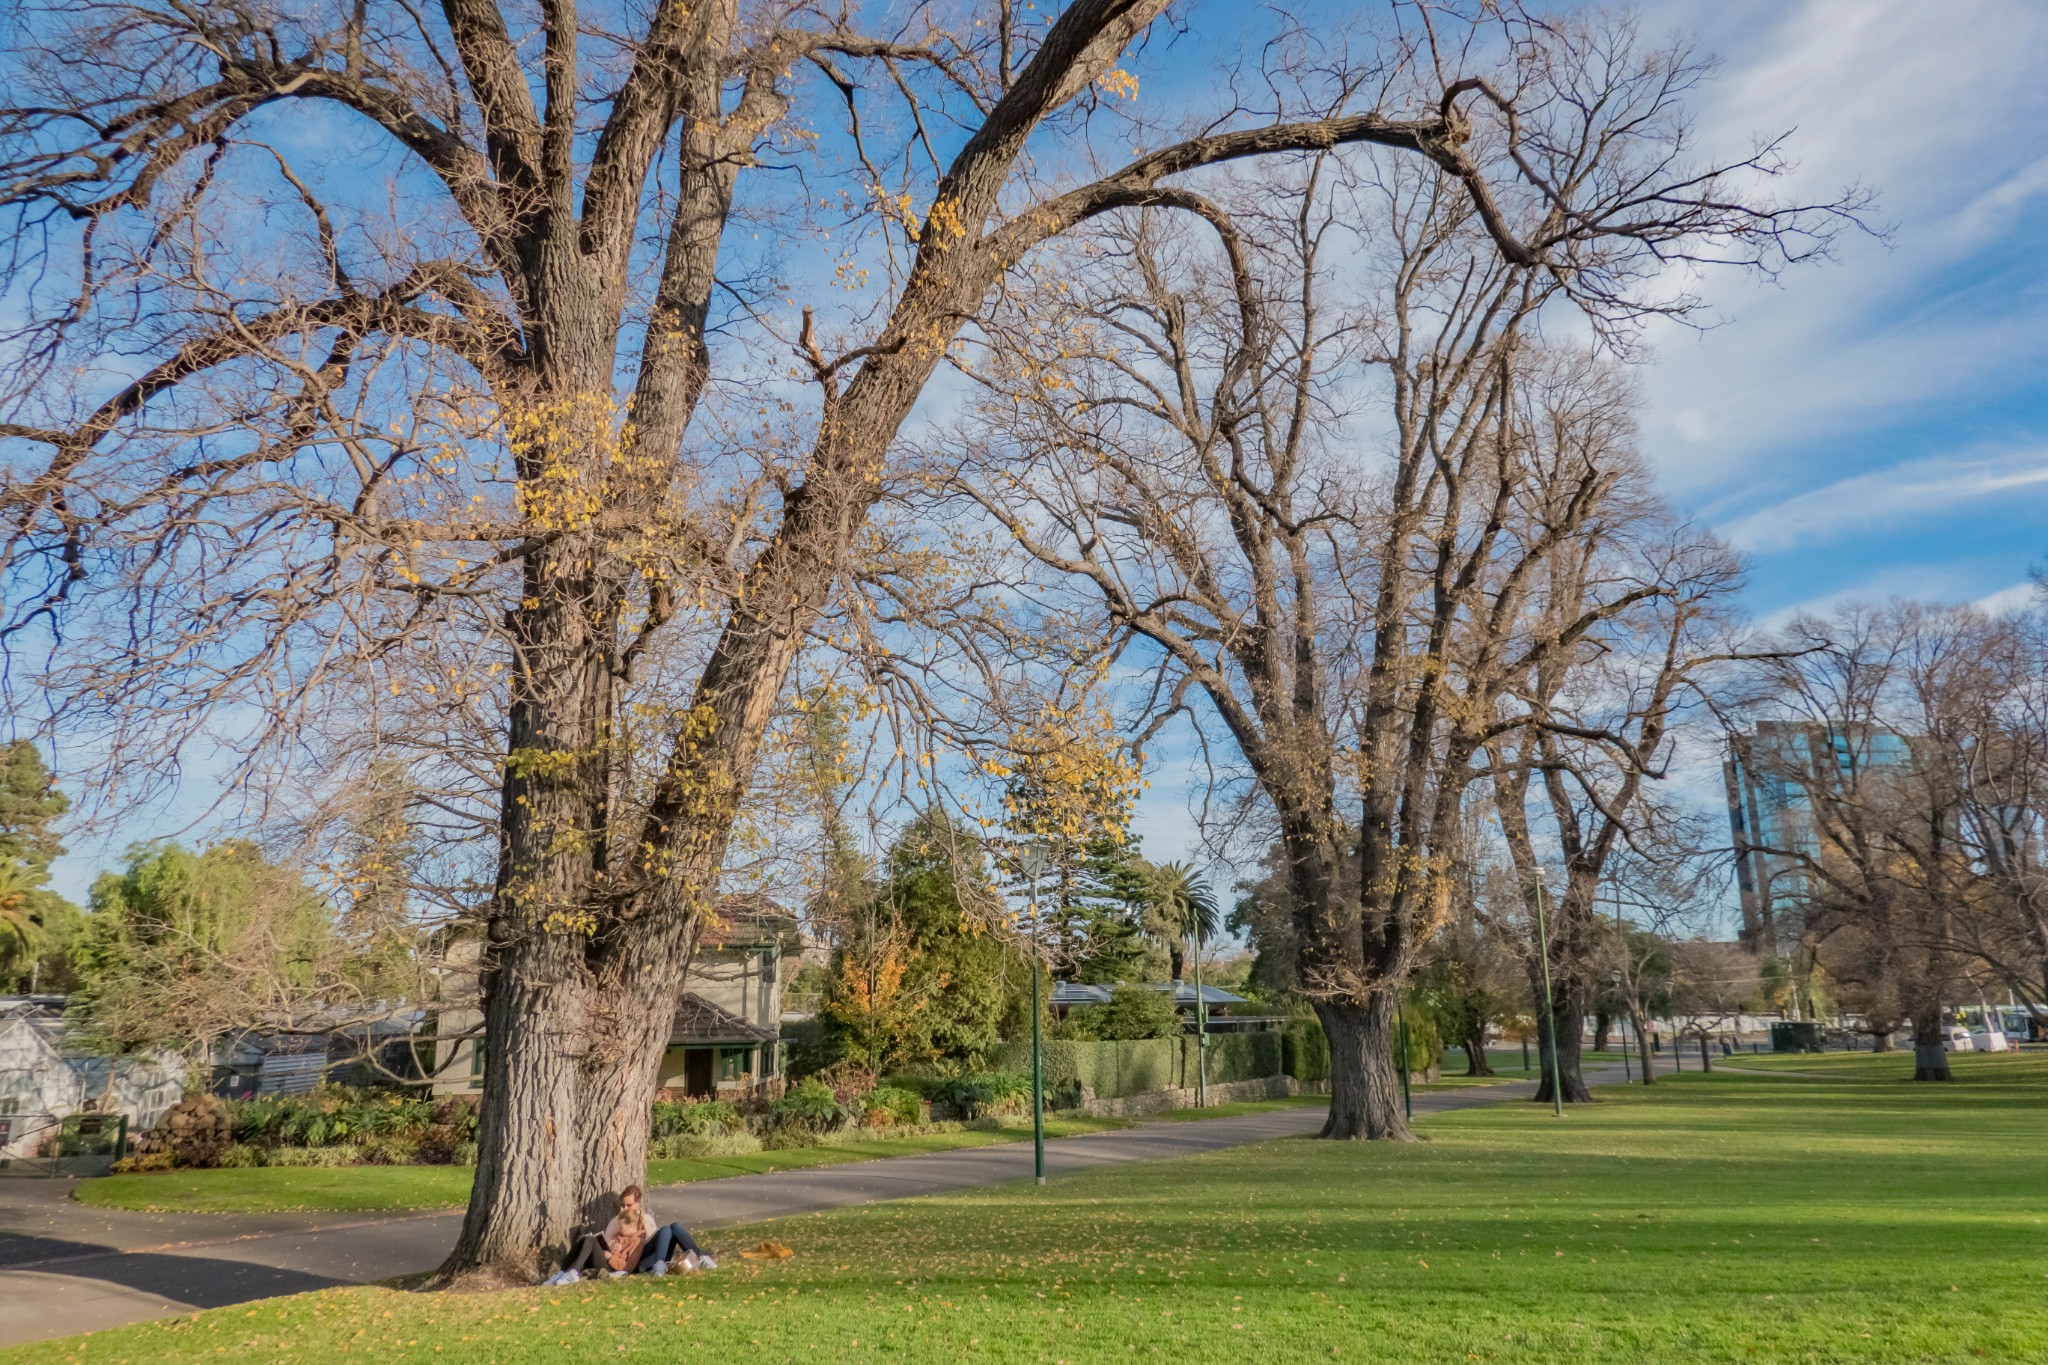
<point x="1906" y="492"/>
<point x="2012" y="597"/>
<point x="1929" y="105"/>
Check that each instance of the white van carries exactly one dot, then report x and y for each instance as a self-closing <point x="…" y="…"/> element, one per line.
<point x="1956" y="1038"/>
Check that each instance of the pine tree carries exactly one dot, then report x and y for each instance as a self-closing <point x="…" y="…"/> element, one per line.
<point x="37" y="926"/>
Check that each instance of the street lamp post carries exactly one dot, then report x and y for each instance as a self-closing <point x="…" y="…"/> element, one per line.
<point x="1549" y="1007"/>
<point x="1201" y="1029"/>
<point x="1401" y="1026"/>
<point x="1033" y="862"/>
<point x="1626" y="1077"/>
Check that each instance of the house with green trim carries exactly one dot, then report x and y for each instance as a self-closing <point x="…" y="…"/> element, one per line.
<point x="726" y="1040"/>
<point x="727" y="1037"/>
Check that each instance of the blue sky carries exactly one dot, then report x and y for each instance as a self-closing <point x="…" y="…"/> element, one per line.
<point x="1876" y="425"/>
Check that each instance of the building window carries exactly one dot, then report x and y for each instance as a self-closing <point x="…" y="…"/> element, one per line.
<point x="732" y="1063"/>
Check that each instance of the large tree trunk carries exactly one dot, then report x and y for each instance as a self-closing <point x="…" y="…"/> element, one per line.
<point x="1706" y="1058"/>
<point x="536" y="980"/>
<point x="1474" y="1044"/>
<point x="1641" y="1026"/>
<point x="1602" y="1022"/>
<point x="1558" y="1032"/>
<point x="530" y="1125"/>
<point x="629" y="1032"/>
<point x="1365" y="1084"/>
<point x="1930" y="1057"/>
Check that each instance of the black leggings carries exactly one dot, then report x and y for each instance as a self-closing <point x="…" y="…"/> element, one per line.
<point x="588" y="1254"/>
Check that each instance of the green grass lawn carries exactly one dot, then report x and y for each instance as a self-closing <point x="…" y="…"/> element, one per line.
<point x="358" y="1189"/>
<point x="1731" y="1217"/>
<point x="1968" y="1067"/>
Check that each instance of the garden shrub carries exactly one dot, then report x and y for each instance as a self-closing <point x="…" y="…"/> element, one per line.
<point x="689" y="1146"/>
<point x="982" y="1093"/>
<point x="1134" y="1013"/>
<point x="465" y="1154"/>
<point x="316" y="1156"/>
<point x="436" y="1145"/>
<point x="145" y="1164"/>
<point x="900" y="1105"/>
<point x="241" y="1157"/>
<point x="388" y="1151"/>
<point x="678" y="1118"/>
<point x="809" y="1106"/>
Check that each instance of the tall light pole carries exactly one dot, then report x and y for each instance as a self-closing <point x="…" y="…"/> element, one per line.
<point x="1401" y="1019"/>
<point x="1033" y="861"/>
<point x="1626" y="1076"/>
<point x="1549" y="1008"/>
<point x="1621" y="983"/>
<point x="1201" y="1027"/>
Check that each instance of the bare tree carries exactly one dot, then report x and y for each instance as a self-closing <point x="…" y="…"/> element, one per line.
<point x="1712" y="983"/>
<point x="1167" y="434"/>
<point x="1648" y="596"/>
<point x="1867" y="852"/>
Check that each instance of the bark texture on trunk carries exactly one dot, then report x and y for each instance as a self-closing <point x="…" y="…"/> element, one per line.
<point x="523" y="1204"/>
<point x="628" y="1035"/>
<point x="1642" y="1028"/>
<point x="1930" y="1056"/>
<point x="1559" y="1032"/>
<point x="1602" y="1023"/>
<point x="1475" y="1055"/>
<point x="1706" y="1058"/>
<point x="1365" y="1083"/>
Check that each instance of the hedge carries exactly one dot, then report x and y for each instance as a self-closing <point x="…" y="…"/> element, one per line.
<point x="1305" y="1051"/>
<point x="1117" y="1069"/>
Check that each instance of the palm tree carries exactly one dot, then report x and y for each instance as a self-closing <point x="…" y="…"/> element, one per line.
<point x="1183" y="908"/>
<point x="20" y="935"/>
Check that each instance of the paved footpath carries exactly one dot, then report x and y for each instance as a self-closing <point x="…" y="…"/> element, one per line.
<point x="67" y="1267"/>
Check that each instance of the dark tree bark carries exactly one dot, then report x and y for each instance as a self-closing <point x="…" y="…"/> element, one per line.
<point x="1558" y="1031"/>
<point x="1475" y="1054"/>
<point x="1930" y="1051"/>
<point x="1366" y="1102"/>
<point x="1603" y="1022"/>
<point x="1643" y="1048"/>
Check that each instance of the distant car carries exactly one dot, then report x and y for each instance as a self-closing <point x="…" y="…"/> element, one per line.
<point x="1957" y="1039"/>
<point x="1988" y="1042"/>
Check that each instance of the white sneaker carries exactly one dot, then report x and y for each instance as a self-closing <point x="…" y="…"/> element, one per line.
<point x="706" y="1263"/>
<point x="658" y="1268"/>
<point x="617" y="1274"/>
<point x="562" y="1277"/>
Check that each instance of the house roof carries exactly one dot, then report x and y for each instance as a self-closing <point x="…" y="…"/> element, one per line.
<point x="747" y="918"/>
<point x="1082" y="993"/>
<point x="700" y="1021"/>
